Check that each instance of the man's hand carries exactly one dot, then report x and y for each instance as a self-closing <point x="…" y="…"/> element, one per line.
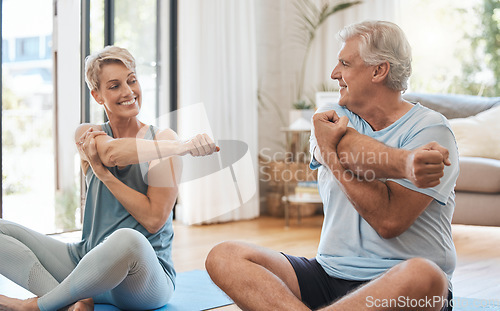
<point x="329" y="130"/>
<point x="425" y="165"/>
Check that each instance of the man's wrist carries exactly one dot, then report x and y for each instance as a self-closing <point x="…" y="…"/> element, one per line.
<point x="330" y="156"/>
<point x="405" y="166"/>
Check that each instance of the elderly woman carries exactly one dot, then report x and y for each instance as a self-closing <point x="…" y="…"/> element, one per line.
<point x="131" y="169"/>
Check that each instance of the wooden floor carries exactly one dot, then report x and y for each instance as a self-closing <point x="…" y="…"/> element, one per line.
<point x="478" y="248"/>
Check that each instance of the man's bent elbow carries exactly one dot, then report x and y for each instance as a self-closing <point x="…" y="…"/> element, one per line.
<point x="390" y="230"/>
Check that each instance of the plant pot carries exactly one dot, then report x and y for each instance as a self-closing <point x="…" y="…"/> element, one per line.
<point x="301" y="118"/>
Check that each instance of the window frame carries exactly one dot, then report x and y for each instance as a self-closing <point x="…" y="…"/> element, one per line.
<point x="167" y="70"/>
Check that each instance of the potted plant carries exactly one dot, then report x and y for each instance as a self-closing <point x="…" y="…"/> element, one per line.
<point x="310" y="17"/>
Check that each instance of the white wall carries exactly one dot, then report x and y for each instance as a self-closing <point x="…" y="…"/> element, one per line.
<point x="66" y="42"/>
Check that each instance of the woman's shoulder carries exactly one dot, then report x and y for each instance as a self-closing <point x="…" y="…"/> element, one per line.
<point x="167" y="133"/>
<point x="82" y="128"/>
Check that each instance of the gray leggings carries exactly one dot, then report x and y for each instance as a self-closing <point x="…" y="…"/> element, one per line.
<point x="123" y="270"/>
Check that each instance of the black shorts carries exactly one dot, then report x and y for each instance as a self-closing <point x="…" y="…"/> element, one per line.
<point x="318" y="289"/>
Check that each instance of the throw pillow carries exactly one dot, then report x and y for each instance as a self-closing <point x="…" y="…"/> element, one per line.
<point x="478" y="136"/>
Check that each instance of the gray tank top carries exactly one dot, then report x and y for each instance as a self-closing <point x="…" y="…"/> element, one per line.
<point x="104" y="214"/>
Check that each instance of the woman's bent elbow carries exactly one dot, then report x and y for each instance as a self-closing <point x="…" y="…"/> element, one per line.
<point x="154" y="226"/>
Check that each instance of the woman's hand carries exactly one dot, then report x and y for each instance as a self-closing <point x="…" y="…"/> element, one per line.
<point x="200" y="145"/>
<point x="87" y="134"/>
<point x="88" y="148"/>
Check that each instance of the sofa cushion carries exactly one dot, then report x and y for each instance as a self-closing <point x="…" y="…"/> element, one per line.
<point x="452" y="105"/>
<point x="473" y="208"/>
<point x="479" y="175"/>
<point x="478" y="136"/>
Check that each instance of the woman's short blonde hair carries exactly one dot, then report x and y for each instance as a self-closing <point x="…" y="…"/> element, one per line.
<point x="109" y="54"/>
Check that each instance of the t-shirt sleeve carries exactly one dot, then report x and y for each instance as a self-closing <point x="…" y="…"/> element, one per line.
<point x="314" y="164"/>
<point x="442" y="134"/>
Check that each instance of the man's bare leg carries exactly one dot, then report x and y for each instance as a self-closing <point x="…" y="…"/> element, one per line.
<point x="255" y="278"/>
<point x="414" y="280"/>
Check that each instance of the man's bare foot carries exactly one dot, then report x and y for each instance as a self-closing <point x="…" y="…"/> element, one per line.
<point x="83" y="305"/>
<point x="13" y="304"/>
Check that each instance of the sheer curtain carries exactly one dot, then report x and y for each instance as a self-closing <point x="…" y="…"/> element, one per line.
<point x="227" y="50"/>
<point x="218" y="95"/>
<point x="280" y="57"/>
<point x="323" y="57"/>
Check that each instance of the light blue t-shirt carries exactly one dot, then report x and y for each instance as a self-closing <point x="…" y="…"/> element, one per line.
<point x="349" y="247"/>
<point x="104" y="214"/>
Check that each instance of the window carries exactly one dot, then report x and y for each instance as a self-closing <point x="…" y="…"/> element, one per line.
<point x="27" y="48"/>
<point x="27" y="115"/>
<point x="452" y="45"/>
<point x="134" y="27"/>
<point x="5" y="51"/>
<point x="31" y="168"/>
<point x="47" y="47"/>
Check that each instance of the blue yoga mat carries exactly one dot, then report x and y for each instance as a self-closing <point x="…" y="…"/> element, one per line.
<point x="470" y="304"/>
<point x="194" y="291"/>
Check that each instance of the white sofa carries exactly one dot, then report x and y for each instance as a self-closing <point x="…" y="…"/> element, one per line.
<point x="478" y="185"/>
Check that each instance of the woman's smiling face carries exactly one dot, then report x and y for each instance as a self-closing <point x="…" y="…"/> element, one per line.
<point x="119" y="91"/>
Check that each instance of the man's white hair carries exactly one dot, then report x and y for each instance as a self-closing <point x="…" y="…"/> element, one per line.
<point x="381" y="42"/>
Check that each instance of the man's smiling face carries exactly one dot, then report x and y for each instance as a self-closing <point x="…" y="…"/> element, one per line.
<point x="353" y="75"/>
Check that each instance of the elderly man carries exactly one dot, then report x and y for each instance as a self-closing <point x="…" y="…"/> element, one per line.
<point x="387" y="169"/>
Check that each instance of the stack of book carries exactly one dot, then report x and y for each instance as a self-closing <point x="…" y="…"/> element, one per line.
<point x="307" y="190"/>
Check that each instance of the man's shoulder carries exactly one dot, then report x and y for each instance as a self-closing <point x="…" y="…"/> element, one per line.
<point x="340" y="110"/>
<point x="329" y="106"/>
<point x="428" y="116"/>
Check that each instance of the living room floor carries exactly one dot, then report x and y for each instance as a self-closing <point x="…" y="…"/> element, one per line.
<point x="478" y="266"/>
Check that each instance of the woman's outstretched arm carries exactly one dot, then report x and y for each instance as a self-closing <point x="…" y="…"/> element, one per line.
<point x="152" y="209"/>
<point x="125" y="151"/>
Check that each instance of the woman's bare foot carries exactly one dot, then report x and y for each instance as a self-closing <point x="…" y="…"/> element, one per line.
<point x="83" y="305"/>
<point x="13" y="304"/>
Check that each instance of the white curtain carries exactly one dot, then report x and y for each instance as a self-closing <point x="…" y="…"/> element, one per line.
<point x="218" y="95"/>
<point x="227" y="50"/>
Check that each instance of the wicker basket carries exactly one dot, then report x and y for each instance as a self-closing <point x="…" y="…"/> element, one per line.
<point x="279" y="174"/>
